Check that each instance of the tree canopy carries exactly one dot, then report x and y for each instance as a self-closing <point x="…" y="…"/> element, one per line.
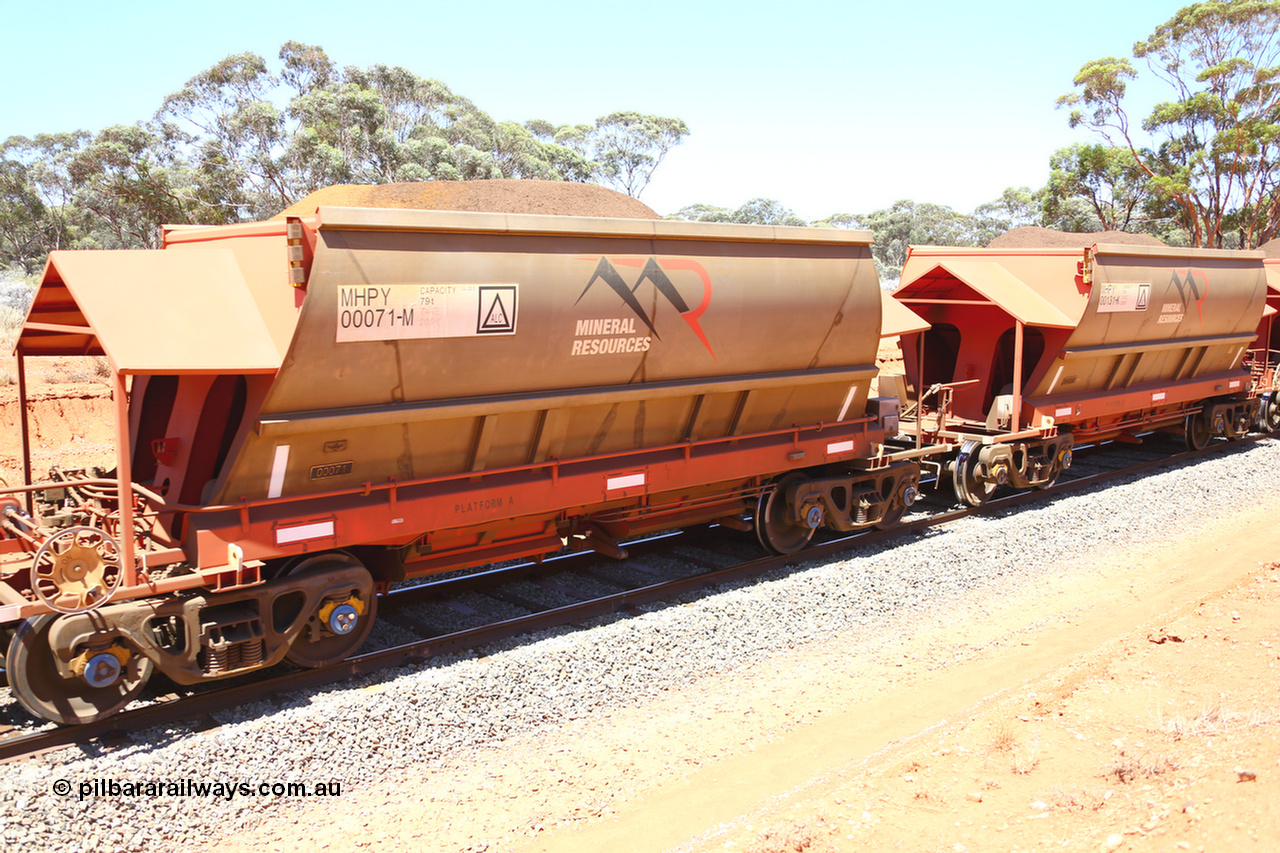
<point x="908" y="223"/>
<point x="1107" y="180"/>
<point x="757" y="211"/>
<point x="240" y="142"/>
<point x="896" y="227"/>
<point x="629" y="146"/>
<point x="247" y="137"/>
<point x="1212" y="153"/>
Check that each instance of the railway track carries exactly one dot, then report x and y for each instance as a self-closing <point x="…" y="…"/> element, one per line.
<point x="713" y="555"/>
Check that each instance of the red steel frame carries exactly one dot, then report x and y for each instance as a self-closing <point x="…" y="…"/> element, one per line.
<point x="1092" y="415"/>
<point x="230" y="542"/>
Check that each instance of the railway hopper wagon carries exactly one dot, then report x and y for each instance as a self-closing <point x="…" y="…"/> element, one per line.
<point x="311" y="409"/>
<point x="1031" y="351"/>
<point x="1263" y="357"/>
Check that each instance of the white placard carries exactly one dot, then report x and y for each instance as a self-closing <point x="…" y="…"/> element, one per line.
<point x="626" y="481"/>
<point x="1123" y="296"/>
<point x="304" y="532"/>
<point x="394" y="312"/>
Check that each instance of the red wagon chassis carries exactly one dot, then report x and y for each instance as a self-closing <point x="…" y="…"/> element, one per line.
<point x="475" y="520"/>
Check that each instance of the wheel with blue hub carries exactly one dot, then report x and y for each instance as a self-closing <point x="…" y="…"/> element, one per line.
<point x="102" y="680"/>
<point x="340" y="622"/>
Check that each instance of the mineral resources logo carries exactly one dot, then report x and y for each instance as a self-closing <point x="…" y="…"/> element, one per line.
<point x="1195" y="283"/>
<point x="623" y="335"/>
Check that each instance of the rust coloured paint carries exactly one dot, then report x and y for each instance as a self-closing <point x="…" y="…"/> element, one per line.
<point x="461" y="383"/>
<point x="1116" y="335"/>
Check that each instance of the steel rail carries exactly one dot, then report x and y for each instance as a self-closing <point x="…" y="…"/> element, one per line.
<point x="232" y="695"/>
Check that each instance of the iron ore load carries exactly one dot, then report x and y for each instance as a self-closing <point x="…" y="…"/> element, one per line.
<point x="1030" y="351"/>
<point x="345" y="399"/>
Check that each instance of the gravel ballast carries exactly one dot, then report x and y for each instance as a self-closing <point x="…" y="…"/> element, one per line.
<point x="361" y="732"/>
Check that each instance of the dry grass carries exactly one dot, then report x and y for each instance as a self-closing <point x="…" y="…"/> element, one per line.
<point x="1024" y="763"/>
<point x="15" y="296"/>
<point x="1212" y="720"/>
<point x="1005" y="742"/>
<point x="1208" y="721"/>
<point x="1128" y="768"/>
<point x="1003" y="738"/>
<point x="1089" y="799"/>
<point x="83" y="369"/>
<point x="10" y="321"/>
<point x="927" y="799"/>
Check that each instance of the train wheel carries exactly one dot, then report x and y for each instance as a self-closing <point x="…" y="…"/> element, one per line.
<point x="1197" y="431"/>
<point x="773" y="528"/>
<point x="108" y="682"/>
<point x="903" y="497"/>
<point x="964" y="481"/>
<point x="897" y="509"/>
<point x="1269" y="417"/>
<point x="341" y="622"/>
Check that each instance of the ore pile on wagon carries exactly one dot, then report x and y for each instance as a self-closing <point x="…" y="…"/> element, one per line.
<point x="312" y="408"/>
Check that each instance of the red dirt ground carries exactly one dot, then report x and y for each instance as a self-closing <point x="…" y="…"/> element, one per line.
<point x="71" y="425"/>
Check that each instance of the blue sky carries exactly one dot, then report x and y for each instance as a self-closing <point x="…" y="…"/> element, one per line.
<point x="828" y="107"/>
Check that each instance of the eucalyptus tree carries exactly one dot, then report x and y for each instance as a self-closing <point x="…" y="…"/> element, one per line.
<point x="239" y="141"/>
<point x="1214" y="149"/>
<point x="1016" y="207"/>
<point x="266" y="140"/>
<point x="756" y="211"/>
<point x="908" y="223"/>
<point x="37" y="209"/>
<point x="1106" y="178"/>
<point x="132" y="182"/>
<point x="234" y="132"/>
<point x="629" y="146"/>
